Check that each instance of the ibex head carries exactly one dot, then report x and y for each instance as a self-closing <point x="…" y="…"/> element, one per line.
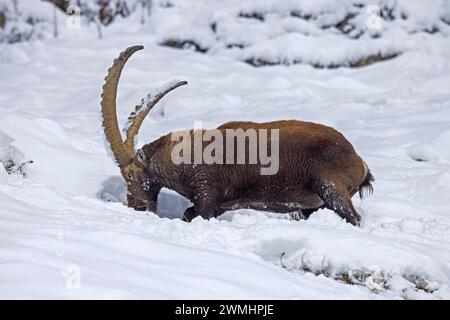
<point x="132" y="163"/>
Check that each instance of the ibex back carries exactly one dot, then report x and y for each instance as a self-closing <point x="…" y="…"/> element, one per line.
<point x="317" y="166"/>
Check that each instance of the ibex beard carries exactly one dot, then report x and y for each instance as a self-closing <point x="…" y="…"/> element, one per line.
<point x="311" y="166"/>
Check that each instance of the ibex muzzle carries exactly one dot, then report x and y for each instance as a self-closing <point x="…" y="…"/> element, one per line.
<point x="318" y="167"/>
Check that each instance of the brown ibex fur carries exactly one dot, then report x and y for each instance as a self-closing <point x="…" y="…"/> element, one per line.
<point x="318" y="167"/>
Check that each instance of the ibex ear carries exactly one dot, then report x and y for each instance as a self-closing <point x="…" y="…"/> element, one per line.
<point x="140" y="155"/>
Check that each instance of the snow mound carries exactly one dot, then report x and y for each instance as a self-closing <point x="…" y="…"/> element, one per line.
<point x="321" y="33"/>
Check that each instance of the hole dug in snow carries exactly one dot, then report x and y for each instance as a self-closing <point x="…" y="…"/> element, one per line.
<point x="113" y="190"/>
<point x="170" y="204"/>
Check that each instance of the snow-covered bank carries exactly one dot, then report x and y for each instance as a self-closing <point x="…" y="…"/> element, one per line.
<point x="56" y="227"/>
<point x="322" y="33"/>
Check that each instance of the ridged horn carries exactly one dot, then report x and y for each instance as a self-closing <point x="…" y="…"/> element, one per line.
<point x="137" y="117"/>
<point x="122" y="155"/>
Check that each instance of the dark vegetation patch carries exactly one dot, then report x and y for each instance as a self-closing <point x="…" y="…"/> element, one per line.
<point x="431" y="30"/>
<point x="372" y="59"/>
<point x="387" y="13"/>
<point x="184" y="44"/>
<point x="107" y="11"/>
<point x="60" y="4"/>
<point x="344" y="25"/>
<point x="253" y="15"/>
<point x="166" y="4"/>
<point x="258" y="62"/>
<point x="213" y="27"/>
<point x="300" y="15"/>
<point x="235" y="45"/>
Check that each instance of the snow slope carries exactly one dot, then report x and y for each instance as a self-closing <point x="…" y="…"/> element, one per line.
<point x="65" y="234"/>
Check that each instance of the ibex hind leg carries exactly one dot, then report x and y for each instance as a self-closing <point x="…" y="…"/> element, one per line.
<point x="336" y="197"/>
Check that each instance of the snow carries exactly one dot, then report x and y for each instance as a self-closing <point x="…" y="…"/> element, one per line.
<point x="64" y="232"/>
<point x="295" y="31"/>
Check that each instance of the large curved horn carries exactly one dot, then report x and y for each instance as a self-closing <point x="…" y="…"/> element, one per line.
<point x="137" y="117"/>
<point x="122" y="155"/>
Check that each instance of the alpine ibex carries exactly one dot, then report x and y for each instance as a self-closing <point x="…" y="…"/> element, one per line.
<point x="318" y="167"/>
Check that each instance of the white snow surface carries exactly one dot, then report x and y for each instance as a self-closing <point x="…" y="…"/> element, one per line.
<point x="64" y="232"/>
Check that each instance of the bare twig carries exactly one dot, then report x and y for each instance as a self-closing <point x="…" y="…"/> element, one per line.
<point x="282" y="263"/>
<point x="21" y="168"/>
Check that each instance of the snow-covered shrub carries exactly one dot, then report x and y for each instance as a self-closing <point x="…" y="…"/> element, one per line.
<point x="12" y="27"/>
<point x="25" y="20"/>
<point x="323" y="33"/>
<point x="11" y="159"/>
<point x="105" y="11"/>
<point x="7" y="153"/>
<point x="373" y="277"/>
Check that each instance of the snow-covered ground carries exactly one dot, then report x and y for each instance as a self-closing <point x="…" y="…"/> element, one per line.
<point x="65" y="234"/>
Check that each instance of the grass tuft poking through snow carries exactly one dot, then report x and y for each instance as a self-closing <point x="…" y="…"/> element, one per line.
<point x="375" y="279"/>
